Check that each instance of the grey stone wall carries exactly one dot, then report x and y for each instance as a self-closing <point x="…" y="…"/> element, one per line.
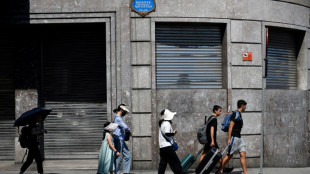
<point x="286" y="130"/>
<point x="131" y="71"/>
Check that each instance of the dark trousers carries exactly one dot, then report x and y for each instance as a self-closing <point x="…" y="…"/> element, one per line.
<point x="168" y="156"/>
<point x="34" y="153"/>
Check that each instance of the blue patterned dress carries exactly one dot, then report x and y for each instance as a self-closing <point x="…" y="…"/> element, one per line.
<point x="106" y="157"/>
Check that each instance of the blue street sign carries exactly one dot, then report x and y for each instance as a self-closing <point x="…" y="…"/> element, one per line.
<point x="143" y="7"/>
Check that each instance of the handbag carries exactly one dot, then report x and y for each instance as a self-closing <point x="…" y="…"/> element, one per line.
<point x="127" y="135"/>
<point x="175" y="145"/>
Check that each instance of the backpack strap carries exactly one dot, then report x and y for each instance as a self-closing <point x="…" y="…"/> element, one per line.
<point x="237" y="115"/>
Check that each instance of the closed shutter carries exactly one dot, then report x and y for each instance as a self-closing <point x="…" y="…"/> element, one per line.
<point x="74" y="87"/>
<point x="7" y="98"/>
<point x="282" y="59"/>
<point x="189" y="55"/>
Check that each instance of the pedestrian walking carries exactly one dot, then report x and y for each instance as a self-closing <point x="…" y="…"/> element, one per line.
<point x="237" y="144"/>
<point x="33" y="130"/>
<point x="211" y="130"/>
<point x="107" y="150"/>
<point x="167" y="152"/>
<point x="119" y="140"/>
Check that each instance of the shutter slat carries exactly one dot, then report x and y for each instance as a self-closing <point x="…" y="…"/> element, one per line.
<point x="282" y="60"/>
<point x="188" y="56"/>
<point x="74" y="83"/>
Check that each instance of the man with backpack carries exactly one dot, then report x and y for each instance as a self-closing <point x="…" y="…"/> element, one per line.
<point x="34" y="152"/>
<point x="237" y="145"/>
<point x="211" y="129"/>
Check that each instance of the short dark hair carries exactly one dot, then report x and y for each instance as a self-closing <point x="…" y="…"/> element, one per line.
<point x="162" y="112"/>
<point x="216" y="107"/>
<point x="240" y="103"/>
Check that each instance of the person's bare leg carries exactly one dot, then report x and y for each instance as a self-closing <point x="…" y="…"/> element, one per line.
<point x="225" y="161"/>
<point x="243" y="162"/>
<point x="202" y="156"/>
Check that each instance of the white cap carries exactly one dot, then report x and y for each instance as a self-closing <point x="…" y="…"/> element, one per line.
<point x="168" y="115"/>
<point x="111" y="127"/>
<point x="124" y="108"/>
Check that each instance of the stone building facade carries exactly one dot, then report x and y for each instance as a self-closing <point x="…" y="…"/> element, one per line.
<point x="131" y="73"/>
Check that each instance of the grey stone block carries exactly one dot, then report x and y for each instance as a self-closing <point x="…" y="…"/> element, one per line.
<point x="171" y="8"/>
<point x="246" y="77"/>
<point x="142" y="125"/>
<point x="238" y="49"/>
<point x="141" y="29"/>
<point x="125" y="24"/>
<point x="287" y="13"/>
<point x="141" y="77"/>
<point x="143" y="165"/>
<point x="37" y="6"/>
<point x="251" y="123"/>
<point x="302" y="79"/>
<point x="246" y="9"/>
<point x="245" y="31"/>
<point x="204" y="8"/>
<point x="141" y="148"/>
<point x="141" y="53"/>
<point x="141" y="101"/>
<point x="285" y="127"/>
<point x="236" y="31"/>
<point x="252" y="97"/>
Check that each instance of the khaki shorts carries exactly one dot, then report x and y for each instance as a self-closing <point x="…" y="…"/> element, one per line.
<point x="237" y="145"/>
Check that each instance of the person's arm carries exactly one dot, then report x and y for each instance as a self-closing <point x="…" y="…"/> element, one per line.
<point x="231" y="125"/>
<point x="36" y="132"/>
<point x="121" y="123"/>
<point x="212" y="136"/>
<point x="111" y="145"/>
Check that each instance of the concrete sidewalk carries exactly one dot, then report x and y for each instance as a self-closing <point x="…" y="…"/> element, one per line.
<point x="89" y="167"/>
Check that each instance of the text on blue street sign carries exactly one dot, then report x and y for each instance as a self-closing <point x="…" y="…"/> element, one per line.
<point x="143" y="5"/>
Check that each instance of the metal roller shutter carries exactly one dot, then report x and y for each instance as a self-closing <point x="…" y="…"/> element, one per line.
<point x="189" y="55"/>
<point x="282" y="59"/>
<point x="74" y="86"/>
<point x="7" y="98"/>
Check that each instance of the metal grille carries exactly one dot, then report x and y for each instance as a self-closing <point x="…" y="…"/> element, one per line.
<point x="74" y="87"/>
<point x="7" y="97"/>
<point x="188" y="55"/>
<point x="282" y="60"/>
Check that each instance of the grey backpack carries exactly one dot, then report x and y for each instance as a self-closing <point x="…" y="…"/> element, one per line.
<point x="202" y="131"/>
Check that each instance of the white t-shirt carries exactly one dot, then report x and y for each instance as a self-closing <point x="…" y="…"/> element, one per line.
<point x="165" y="128"/>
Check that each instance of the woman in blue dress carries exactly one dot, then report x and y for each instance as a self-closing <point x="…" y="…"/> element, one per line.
<point x="107" y="150"/>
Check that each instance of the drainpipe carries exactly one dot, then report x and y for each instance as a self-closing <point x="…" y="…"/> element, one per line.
<point x="263" y="107"/>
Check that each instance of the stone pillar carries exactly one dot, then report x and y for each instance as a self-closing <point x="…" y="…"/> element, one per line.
<point x="141" y="93"/>
<point x="24" y="100"/>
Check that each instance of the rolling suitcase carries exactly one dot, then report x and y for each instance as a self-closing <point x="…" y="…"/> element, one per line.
<point x="189" y="160"/>
<point x="209" y="161"/>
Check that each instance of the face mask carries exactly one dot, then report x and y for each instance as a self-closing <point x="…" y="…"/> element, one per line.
<point x="124" y="113"/>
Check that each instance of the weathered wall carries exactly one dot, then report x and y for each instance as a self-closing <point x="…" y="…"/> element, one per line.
<point x="285" y="130"/>
<point x="191" y="107"/>
<point x="131" y="67"/>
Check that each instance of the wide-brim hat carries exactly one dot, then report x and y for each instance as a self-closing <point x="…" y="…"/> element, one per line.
<point x="124" y="108"/>
<point x="168" y="115"/>
<point x="111" y="127"/>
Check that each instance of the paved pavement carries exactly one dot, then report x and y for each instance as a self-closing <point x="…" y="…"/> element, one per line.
<point x="89" y="167"/>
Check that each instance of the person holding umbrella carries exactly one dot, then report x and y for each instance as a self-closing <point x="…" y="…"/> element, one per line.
<point x="34" y="152"/>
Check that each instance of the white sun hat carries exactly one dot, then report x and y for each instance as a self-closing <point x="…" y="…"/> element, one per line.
<point x="124" y="108"/>
<point x="168" y="115"/>
<point x="111" y="127"/>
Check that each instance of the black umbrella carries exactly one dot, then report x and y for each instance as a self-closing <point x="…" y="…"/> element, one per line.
<point x="35" y="115"/>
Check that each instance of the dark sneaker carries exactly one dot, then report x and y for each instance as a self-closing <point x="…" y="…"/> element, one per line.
<point x="227" y="170"/>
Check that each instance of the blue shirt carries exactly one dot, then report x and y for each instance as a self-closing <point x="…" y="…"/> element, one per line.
<point x="119" y="132"/>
